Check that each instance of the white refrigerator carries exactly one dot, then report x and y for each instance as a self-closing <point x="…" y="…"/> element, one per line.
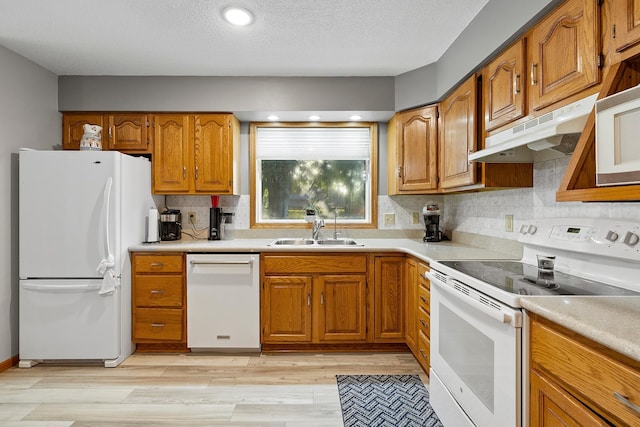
<point x="79" y="213"/>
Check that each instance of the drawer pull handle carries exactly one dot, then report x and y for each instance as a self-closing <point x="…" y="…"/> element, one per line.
<point x="309" y="300"/>
<point x="156" y="264"/>
<point x="626" y="402"/>
<point x="156" y="291"/>
<point x="423" y="323"/>
<point x="157" y="325"/>
<point x="422" y="353"/>
<point x="223" y="337"/>
<point x="423" y="299"/>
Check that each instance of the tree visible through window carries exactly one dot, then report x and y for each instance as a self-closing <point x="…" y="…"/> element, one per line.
<point x="324" y="168"/>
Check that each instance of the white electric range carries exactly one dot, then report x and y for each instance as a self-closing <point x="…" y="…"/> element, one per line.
<point x="476" y="320"/>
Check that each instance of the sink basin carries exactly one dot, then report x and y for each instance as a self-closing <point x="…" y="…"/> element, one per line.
<point x="305" y="242"/>
<point x="339" y="242"/>
<point x="292" y="242"/>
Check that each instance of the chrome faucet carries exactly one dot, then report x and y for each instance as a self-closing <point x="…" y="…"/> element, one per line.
<point x="335" y="224"/>
<point x="316" y="226"/>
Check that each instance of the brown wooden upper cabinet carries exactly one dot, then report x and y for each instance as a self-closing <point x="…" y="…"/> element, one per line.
<point x="563" y="53"/>
<point x="195" y="154"/>
<point x="72" y="128"/>
<point x="458" y="136"/>
<point x="128" y="133"/>
<point x="504" y="87"/>
<point x="621" y="30"/>
<point x="413" y="140"/>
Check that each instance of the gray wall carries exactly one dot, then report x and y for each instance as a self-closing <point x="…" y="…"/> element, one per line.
<point x="29" y="117"/>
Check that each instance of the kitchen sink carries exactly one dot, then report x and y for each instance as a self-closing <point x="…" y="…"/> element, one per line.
<point x="339" y="242"/>
<point x="292" y="242"/>
<point x="306" y="242"/>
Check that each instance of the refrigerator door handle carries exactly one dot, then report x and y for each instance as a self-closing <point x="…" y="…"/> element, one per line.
<point x="49" y="287"/>
<point x="108" y="261"/>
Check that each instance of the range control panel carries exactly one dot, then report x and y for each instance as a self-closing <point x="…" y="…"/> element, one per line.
<point x="606" y="237"/>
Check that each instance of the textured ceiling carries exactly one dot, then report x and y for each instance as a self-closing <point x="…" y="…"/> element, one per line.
<point x="188" y="37"/>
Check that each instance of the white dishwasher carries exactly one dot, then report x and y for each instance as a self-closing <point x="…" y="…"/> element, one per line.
<point x="223" y="301"/>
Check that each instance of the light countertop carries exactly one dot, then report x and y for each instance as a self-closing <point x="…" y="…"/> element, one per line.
<point x="425" y="251"/>
<point x="610" y="321"/>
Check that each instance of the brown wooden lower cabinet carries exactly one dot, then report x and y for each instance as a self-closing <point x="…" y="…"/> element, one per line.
<point x="158" y="301"/>
<point x="314" y="298"/>
<point x="388" y="295"/>
<point x="577" y="382"/>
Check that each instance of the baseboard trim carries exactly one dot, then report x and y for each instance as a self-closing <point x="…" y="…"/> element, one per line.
<point x="9" y="363"/>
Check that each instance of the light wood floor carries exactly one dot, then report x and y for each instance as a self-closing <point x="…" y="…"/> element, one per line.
<point x="197" y="389"/>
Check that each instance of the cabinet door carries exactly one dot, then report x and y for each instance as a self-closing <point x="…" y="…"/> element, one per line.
<point x="552" y="406"/>
<point x="286" y="309"/>
<point x="563" y="53"/>
<point x="417" y="133"/>
<point x="388" y="299"/>
<point x="129" y="132"/>
<point x="213" y="154"/>
<point x="458" y="135"/>
<point x="626" y="22"/>
<point x="341" y="307"/>
<point x="172" y="154"/>
<point x="72" y="128"/>
<point x="412" y="303"/>
<point x="503" y="85"/>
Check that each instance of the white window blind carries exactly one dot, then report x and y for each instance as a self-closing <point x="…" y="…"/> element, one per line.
<point x="320" y="143"/>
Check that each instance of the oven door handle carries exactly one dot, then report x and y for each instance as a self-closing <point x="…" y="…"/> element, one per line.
<point x="496" y="314"/>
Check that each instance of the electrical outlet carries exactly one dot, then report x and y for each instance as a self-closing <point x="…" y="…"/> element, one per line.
<point x="389" y="218"/>
<point x="508" y="223"/>
<point x="192" y="218"/>
<point x="415" y="217"/>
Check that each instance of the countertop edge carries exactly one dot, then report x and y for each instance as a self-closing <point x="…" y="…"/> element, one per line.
<point x="609" y="321"/>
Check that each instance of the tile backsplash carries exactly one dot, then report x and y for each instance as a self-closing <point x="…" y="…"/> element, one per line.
<point x="480" y="213"/>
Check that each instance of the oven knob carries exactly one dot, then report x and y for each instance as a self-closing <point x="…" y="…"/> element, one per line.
<point x="612" y="236"/>
<point x="532" y="229"/>
<point x="523" y="229"/>
<point x="631" y="239"/>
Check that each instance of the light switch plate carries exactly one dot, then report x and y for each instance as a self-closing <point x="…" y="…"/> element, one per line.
<point x="415" y="217"/>
<point x="508" y="223"/>
<point x="389" y="218"/>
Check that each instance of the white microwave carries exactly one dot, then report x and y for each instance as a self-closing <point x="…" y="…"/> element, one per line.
<point x="618" y="138"/>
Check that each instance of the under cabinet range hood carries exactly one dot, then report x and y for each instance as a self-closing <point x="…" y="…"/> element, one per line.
<point x="550" y="136"/>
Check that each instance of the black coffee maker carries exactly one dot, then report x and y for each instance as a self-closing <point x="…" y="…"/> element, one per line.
<point x="171" y="224"/>
<point x="215" y="223"/>
<point x="432" y="233"/>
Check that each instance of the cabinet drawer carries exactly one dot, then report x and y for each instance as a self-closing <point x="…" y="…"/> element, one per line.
<point x="424" y="298"/>
<point x="158" y="324"/>
<point x="592" y="375"/>
<point x="158" y="263"/>
<point x="424" y="321"/>
<point x="158" y="291"/>
<point x="314" y="264"/>
<point x="424" y="346"/>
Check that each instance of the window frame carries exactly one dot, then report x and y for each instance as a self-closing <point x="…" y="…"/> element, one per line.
<point x="373" y="159"/>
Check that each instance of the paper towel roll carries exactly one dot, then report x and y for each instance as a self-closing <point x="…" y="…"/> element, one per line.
<point x="152" y="226"/>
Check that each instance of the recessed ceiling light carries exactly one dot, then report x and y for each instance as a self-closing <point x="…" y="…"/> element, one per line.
<point x="356" y="117"/>
<point x="314" y="118"/>
<point x="272" y="117"/>
<point x="237" y="16"/>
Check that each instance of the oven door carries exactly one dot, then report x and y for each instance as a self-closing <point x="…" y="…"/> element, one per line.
<point x="475" y="356"/>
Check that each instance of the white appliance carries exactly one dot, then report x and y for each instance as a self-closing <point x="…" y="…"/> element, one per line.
<point x="617" y="130"/>
<point x="79" y="213"/>
<point x="223" y="291"/>
<point x="478" y="365"/>
<point x="551" y="136"/>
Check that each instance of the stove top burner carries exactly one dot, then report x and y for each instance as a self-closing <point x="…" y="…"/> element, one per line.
<point x="524" y="279"/>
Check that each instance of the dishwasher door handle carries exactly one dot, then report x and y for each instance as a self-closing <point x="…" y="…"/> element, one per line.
<point x="246" y="262"/>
